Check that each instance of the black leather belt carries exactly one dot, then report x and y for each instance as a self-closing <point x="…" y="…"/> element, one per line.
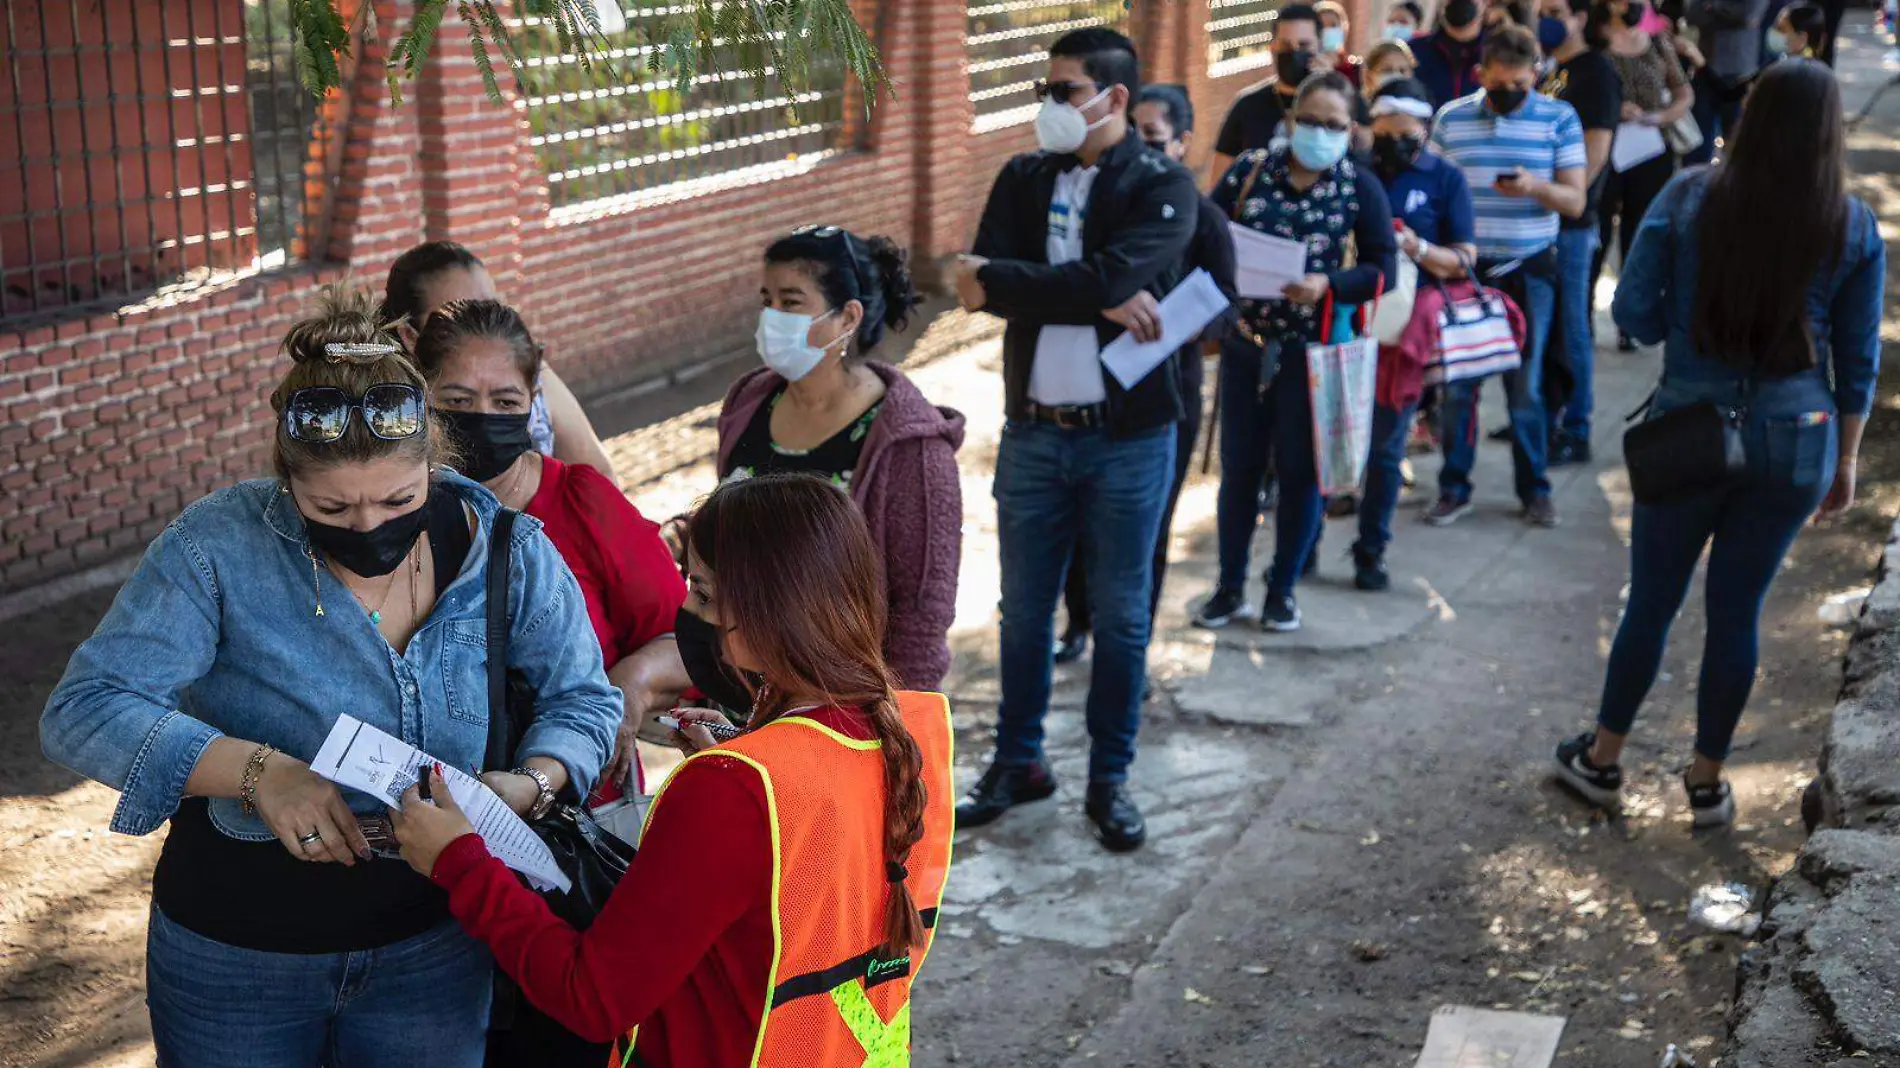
<point x="1070" y="416"/>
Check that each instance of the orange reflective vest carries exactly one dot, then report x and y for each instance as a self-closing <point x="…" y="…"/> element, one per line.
<point x="833" y="1000"/>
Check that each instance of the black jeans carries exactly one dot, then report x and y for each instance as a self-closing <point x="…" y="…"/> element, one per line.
<point x="1075" y="594"/>
<point x="1627" y="197"/>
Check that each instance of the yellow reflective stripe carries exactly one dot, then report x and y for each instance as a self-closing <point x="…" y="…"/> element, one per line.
<point x="841" y="739"/>
<point x="885" y="1045"/>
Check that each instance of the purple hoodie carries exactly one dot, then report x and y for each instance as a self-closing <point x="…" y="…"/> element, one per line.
<point x="907" y="485"/>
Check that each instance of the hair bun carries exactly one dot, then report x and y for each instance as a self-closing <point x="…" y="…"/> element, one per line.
<point x="894" y="280"/>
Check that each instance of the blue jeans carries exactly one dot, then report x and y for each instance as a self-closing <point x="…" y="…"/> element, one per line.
<point x="1715" y="114"/>
<point x="1391" y="428"/>
<point x="1262" y="424"/>
<point x="419" y="1001"/>
<point x="1530" y="430"/>
<point x="1054" y="489"/>
<point x="1576" y="248"/>
<point x="1751" y="522"/>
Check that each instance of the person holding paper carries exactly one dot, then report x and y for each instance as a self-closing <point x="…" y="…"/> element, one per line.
<point x="1077" y="245"/>
<point x="1585" y="79"/>
<point x="353" y="582"/>
<point x="1656" y="93"/>
<point x="1164" y="116"/>
<point x="1308" y="192"/>
<point x="1432" y="204"/>
<point x="789" y="880"/>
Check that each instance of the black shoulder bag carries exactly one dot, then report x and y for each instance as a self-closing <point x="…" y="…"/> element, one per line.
<point x="590" y="856"/>
<point x="1683" y="451"/>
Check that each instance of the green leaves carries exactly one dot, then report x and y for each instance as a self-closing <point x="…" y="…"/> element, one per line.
<point x="780" y="40"/>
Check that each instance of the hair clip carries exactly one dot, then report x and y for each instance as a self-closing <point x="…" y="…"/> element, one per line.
<point x="339" y="351"/>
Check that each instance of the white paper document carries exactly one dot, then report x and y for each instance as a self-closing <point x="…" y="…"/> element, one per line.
<point x="1636" y="143"/>
<point x="1188" y="308"/>
<point x="1464" y="1037"/>
<point x="1264" y="265"/>
<point x="364" y="758"/>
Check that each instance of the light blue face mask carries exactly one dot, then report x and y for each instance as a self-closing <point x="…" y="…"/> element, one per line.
<point x="1398" y="31"/>
<point x="1777" y="41"/>
<point x="1318" y="148"/>
<point x="1332" y="39"/>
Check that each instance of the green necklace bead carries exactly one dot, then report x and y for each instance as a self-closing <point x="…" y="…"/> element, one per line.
<point x="376" y="618"/>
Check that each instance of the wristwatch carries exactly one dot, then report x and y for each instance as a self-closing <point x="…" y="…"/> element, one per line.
<point x="543" y="801"/>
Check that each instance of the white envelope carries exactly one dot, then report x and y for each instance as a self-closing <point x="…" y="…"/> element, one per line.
<point x="1264" y="265"/>
<point x="1636" y="143"/>
<point x="1184" y="312"/>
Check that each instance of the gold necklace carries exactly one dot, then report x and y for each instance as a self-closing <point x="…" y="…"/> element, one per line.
<point x="376" y="614"/>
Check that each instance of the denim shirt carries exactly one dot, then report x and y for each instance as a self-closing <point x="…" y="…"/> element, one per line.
<point x="216" y="633"/>
<point x="1655" y="301"/>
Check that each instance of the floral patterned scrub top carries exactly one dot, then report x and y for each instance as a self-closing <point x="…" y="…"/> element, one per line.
<point x="833" y="460"/>
<point x="1337" y="206"/>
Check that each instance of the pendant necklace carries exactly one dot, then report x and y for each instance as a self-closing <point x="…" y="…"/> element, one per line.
<point x="376" y="614"/>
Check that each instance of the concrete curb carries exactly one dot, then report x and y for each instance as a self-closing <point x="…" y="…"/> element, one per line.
<point x="1823" y="989"/>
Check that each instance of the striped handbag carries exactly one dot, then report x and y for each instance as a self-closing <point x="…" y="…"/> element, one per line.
<point x="1474" y="338"/>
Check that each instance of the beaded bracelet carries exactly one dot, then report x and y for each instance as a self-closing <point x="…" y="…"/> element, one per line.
<point x="247" y="786"/>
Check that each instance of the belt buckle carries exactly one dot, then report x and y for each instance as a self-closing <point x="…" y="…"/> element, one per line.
<point x="1068" y="418"/>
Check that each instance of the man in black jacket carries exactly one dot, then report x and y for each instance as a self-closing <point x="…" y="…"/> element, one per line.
<point x="1076" y="245"/>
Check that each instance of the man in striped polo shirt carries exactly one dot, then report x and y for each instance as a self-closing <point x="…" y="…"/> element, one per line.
<point x="1522" y="155"/>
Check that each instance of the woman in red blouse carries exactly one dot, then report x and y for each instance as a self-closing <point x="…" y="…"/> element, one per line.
<point x="688" y="945"/>
<point x="481" y="363"/>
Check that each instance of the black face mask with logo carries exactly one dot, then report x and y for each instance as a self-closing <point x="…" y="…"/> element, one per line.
<point x="489" y="443"/>
<point x="373" y="552"/>
<point x="722" y="683"/>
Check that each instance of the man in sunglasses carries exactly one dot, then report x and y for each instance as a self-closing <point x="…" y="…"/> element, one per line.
<point x="1076" y="245"/>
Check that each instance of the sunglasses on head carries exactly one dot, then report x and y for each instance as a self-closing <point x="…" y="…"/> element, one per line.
<point x="818" y="231"/>
<point x="319" y="414"/>
<point x="1062" y="91"/>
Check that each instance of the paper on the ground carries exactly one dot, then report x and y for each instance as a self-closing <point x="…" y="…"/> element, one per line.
<point x="1264" y="265"/>
<point x="364" y="758"/>
<point x="1636" y="143"/>
<point x="1464" y="1037"/>
<point x="1188" y="308"/>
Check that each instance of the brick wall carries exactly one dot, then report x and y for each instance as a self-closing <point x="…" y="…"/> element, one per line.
<point x="115" y="421"/>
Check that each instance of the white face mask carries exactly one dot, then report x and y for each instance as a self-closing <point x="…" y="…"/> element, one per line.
<point x="1062" y="127"/>
<point x="784" y="343"/>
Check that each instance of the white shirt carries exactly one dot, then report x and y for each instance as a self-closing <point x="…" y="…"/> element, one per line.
<point x="1068" y="365"/>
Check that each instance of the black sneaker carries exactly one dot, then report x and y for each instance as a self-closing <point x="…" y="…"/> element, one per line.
<point x="1118" y="823"/>
<point x="1446" y="511"/>
<point x="1602" y="787"/>
<point x="1502" y="433"/>
<point x="1624" y="342"/>
<point x="1072" y="646"/>
<point x="1281" y="615"/>
<point x="1567" y="451"/>
<point x="1712" y="805"/>
<point x="1221" y="608"/>
<point x="1368" y="571"/>
<point x="1003" y="787"/>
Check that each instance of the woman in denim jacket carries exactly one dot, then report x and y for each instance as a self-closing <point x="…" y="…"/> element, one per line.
<point x="353" y="583"/>
<point x="1764" y="281"/>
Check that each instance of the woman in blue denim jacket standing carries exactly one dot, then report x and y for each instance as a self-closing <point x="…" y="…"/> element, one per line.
<point x="1764" y="280"/>
<point x="353" y="583"/>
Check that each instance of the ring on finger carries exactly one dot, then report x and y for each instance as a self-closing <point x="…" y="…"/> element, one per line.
<point x="308" y="840"/>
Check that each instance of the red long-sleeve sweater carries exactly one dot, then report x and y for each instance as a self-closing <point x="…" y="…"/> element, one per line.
<point x="683" y="948"/>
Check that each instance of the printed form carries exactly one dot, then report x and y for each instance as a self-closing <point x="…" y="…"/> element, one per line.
<point x="364" y="758"/>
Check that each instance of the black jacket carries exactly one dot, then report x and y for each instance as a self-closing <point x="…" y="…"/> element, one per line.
<point x="1141" y="216"/>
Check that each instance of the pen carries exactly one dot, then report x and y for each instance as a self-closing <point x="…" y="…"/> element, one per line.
<point x="721" y="732"/>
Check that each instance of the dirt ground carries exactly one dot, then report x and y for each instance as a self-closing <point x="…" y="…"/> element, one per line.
<point x="1319" y="881"/>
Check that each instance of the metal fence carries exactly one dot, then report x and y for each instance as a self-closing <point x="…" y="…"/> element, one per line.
<point x="1008" y="43"/>
<point x="621" y="134"/>
<point x="144" y="146"/>
<point x="1238" y="33"/>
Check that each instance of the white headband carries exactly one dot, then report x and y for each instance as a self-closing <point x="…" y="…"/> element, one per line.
<point x="1401" y="105"/>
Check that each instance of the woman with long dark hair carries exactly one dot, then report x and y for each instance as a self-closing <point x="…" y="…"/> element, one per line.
<point x="788" y="880"/>
<point x="1764" y="279"/>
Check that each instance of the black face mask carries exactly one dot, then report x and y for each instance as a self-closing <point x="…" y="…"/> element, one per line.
<point x="1461" y="13"/>
<point x="489" y="444"/>
<point x="1158" y="146"/>
<point x="698" y="643"/>
<point x="1505" y="101"/>
<point x="1394" y="155"/>
<point x="1293" y="67"/>
<point x="1634" y="13"/>
<point x="373" y="552"/>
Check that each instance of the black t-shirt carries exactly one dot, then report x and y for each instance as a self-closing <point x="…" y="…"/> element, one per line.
<point x="1589" y="83"/>
<point x="1253" y="120"/>
<point x="835" y="459"/>
<point x="255" y="895"/>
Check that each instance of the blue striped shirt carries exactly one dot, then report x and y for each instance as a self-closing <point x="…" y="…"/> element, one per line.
<point x="1543" y="136"/>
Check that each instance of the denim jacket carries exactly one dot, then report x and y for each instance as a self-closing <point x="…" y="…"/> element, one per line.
<point x="1655" y="301"/>
<point x="217" y="633"/>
